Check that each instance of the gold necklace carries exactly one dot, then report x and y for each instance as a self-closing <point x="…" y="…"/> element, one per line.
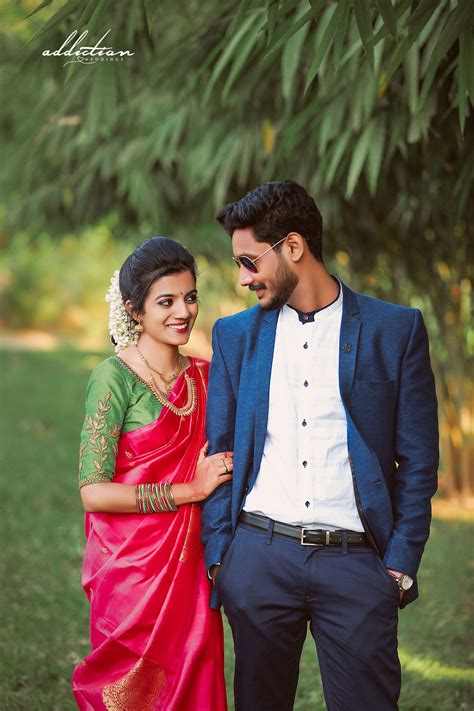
<point x="191" y="403"/>
<point x="168" y="381"/>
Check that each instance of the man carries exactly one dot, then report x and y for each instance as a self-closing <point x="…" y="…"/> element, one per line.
<point x="327" y="399"/>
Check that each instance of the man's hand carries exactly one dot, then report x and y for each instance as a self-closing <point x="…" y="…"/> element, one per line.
<point x="396" y="574"/>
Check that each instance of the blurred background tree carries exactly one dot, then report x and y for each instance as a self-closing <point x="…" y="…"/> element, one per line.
<point x="367" y="103"/>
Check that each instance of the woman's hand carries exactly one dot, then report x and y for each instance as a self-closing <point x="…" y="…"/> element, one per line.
<point x="211" y="472"/>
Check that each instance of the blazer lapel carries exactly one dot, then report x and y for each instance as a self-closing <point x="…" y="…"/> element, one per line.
<point x="266" y="344"/>
<point x="348" y="344"/>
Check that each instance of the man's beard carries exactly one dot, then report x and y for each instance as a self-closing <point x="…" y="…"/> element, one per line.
<point x="284" y="285"/>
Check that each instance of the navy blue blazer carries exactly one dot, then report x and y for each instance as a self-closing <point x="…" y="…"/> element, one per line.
<point x="387" y="388"/>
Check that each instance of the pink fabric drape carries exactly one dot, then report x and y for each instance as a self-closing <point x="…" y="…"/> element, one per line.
<point x="156" y="644"/>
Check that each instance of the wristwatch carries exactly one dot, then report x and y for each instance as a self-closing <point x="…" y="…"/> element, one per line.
<point x="404" y="582"/>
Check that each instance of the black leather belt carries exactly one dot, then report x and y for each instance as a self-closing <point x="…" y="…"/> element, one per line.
<point x="306" y="536"/>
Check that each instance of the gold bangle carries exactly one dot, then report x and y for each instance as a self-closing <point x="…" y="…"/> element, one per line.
<point x="174" y="505"/>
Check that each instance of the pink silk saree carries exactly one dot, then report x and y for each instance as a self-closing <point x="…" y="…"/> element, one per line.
<point x="156" y="644"/>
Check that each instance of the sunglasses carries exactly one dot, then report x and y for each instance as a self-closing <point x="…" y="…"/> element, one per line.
<point x="249" y="264"/>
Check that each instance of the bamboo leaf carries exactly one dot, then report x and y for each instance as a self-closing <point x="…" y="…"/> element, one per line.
<point x="456" y="21"/>
<point x="86" y="14"/>
<point x="98" y="13"/>
<point x="282" y="36"/>
<point x="411" y="67"/>
<point x="375" y="155"/>
<point x="316" y="7"/>
<point x="272" y="15"/>
<point x="42" y="5"/>
<point x="341" y="31"/>
<point x="330" y="124"/>
<point x="386" y="10"/>
<point x="420" y="123"/>
<point x="358" y="158"/>
<point x="329" y="19"/>
<point x="226" y="56"/>
<point x="466" y="59"/>
<point x="239" y="15"/>
<point x="245" y="48"/>
<point x="430" y="45"/>
<point x="227" y="171"/>
<point x="427" y="83"/>
<point x="336" y="157"/>
<point x="364" y="23"/>
<point x="395" y="134"/>
<point x="60" y="15"/>
<point x="290" y="59"/>
<point x="245" y="163"/>
<point x="426" y="31"/>
<point x="422" y="14"/>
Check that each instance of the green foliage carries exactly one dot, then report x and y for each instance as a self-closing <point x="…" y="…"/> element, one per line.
<point x="184" y="123"/>
<point x="59" y="284"/>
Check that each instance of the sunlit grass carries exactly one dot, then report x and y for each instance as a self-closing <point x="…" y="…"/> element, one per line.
<point x="44" y="613"/>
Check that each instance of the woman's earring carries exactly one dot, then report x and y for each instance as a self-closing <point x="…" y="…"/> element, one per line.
<point x="139" y="327"/>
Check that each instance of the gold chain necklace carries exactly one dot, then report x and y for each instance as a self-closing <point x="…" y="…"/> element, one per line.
<point x="191" y="403"/>
<point x="168" y="381"/>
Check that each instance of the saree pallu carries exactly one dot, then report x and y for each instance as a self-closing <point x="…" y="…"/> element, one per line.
<point x="156" y="644"/>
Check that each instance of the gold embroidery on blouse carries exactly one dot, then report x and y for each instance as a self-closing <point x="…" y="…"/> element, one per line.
<point x="81" y="452"/>
<point x="140" y="689"/>
<point x="99" y="441"/>
<point x="94" y="480"/>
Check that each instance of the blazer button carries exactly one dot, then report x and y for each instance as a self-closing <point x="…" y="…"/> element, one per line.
<point x="246" y="490"/>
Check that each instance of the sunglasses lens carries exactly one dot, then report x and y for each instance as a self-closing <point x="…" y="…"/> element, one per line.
<point x="247" y="263"/>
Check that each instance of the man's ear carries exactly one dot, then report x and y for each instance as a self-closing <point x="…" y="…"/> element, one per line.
<point x="296" y="244"/>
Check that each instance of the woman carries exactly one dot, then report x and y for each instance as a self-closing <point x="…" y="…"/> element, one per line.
<point x="156" y="644"/>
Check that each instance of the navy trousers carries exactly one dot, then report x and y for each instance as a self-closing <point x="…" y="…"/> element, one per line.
<point x="272" y="586"/>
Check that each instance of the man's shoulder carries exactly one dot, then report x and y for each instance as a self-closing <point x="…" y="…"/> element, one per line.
<point x="369" y="305"/>
<point x="242" y="321"/>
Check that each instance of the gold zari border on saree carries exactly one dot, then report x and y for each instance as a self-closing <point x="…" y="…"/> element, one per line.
<point x="140" y="689"/>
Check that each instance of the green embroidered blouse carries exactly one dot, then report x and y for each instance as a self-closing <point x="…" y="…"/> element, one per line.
<point x="117" y="400"/>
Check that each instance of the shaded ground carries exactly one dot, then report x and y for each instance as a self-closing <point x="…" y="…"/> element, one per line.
<point x="44" y="614"/>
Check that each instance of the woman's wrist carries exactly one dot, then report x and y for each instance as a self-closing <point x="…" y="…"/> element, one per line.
<point x="187" y="493"/>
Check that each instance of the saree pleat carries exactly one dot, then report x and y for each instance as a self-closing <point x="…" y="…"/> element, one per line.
<point x="155" y="642"/>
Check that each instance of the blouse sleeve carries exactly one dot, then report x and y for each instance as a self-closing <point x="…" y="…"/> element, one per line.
<point x="107" y="400"/>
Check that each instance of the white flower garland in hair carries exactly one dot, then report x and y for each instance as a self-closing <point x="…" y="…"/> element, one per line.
<point x="121" y="326"/>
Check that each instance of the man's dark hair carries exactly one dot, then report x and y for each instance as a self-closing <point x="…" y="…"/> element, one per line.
<point x="152" y="259"/>
<point x="272" y="211"/>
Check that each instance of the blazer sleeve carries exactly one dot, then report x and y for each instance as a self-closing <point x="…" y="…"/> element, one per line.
<point x="416" y="454"/>
<point x="221" y="405"/>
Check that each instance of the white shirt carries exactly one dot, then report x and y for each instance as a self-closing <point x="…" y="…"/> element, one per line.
<point x="305" y="476"/>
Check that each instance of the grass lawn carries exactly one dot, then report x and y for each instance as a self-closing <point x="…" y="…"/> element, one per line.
<point x="44" y="613"/>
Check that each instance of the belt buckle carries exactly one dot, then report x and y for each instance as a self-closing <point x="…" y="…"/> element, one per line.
<point x="305" y="543"/>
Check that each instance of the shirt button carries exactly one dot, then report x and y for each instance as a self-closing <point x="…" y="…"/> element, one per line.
<point x="305" y="345"/>
<point x="306" y="383"/>
<point x="306" y="503"/>
<point x="305" y="463"/>
<point x="305" y="317"/>
<point x="304" y="423"/>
